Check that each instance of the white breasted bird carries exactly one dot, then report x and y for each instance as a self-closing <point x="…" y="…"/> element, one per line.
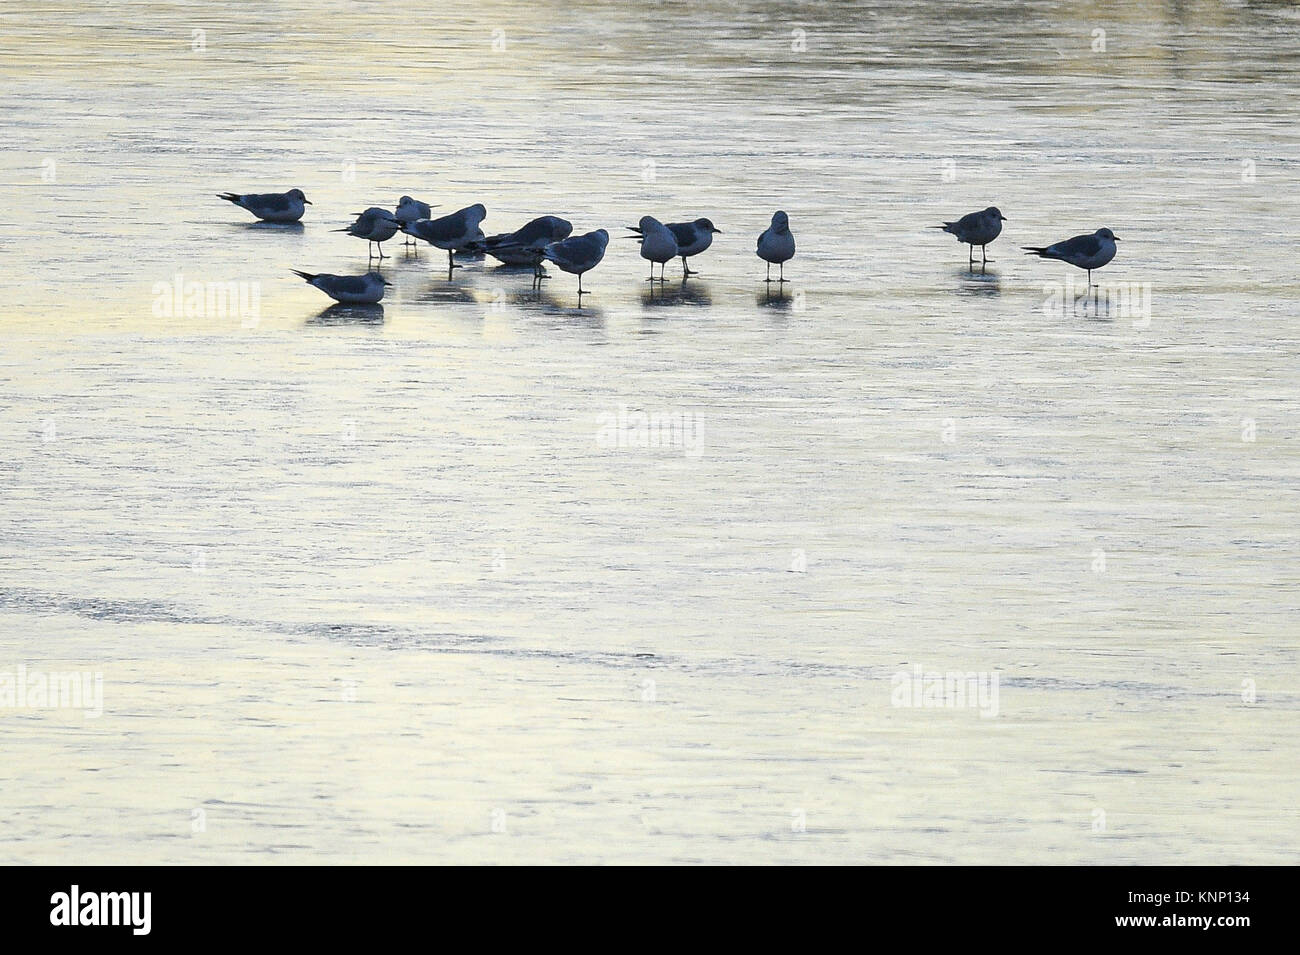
<point x="349" y="289"/>
<point x="776" y="244"/>
<point x="408" y="210"/>
<point x="282" y="207"/>
<point x="376" y="226"/>
<point x="977" y="228"/>
<point x="1082" y="251"/>
<point x="578" y="254"/>
<point x="658" y="244"/>
<point x="692" y="239"/>
<point x="524" y="246"/>
<point x="449" y="232"/>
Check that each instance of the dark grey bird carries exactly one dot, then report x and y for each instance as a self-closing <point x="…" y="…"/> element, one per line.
<point x="449" y="232"/>
<point x="524" y="246"/>
<point x="658" y="244"/>
<point x="349" y="289"/>
<point x="692" y="239"/>
<point x="1082" y="251"/>
<point x="977" y="228"/>
<point x="776" y="244"/>
<point x="376" y="226"/>
<point x="408" y="210"/>
<point x="270" y="206"/>
<point x="578" y="254"/>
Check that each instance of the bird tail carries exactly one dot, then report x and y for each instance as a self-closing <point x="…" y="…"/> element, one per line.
<point x="1039" y="251"/>
<point x="347" y="229"/>
<point x="305" y="276"/>
<point x="229" y="197"/>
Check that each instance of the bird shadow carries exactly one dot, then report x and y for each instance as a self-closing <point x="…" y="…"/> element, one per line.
<point x="343" y="314"/>
<point x="564" y="311"/>
<point x="260" y="226"/>
<point x="979" y="281"/>
<point x="775" y="296"/>
<point x="445" y="293"/>
<point x="674" y="295"/>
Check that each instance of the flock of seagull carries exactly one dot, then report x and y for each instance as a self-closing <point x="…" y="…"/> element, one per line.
<point x="551" y="239"/>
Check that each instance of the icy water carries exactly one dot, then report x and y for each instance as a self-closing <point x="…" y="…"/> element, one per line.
<point x="402" y="584"/>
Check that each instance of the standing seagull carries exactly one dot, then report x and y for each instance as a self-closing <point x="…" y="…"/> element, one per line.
<point x="280" y="207"/>
<point x="977" y="228"/>
<point x="350" y="289"/>
<point x="658" y="244"/>
<point x="1082" y="251"/>
<point x="776" y="244"/>
<point x="375" y="225"/>
<point x="692" y="239"/>
<point x="524" y="246"/>
<point x="450" y="232"/>
<point x="408" y="210"/>
<point x="578" y="254"/>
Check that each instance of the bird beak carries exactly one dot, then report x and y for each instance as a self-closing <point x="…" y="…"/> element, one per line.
<point x="1115" y="237"/>
<point x="718" y="231"/>
<point x="387" y="283"/>
<point x="1004" y="218"/>
<point x="307" y="201"/>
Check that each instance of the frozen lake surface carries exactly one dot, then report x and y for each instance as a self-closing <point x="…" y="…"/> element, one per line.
<point x="402" y="584"/>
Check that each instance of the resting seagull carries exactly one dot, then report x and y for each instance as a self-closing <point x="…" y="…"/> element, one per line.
<point x="408" y="210"/>
<point x="280" y="207"/>
<point x="776" y="244"/>
<point x="658" y="244"/>
<point x="350" y="289"/>
<point x="524" y="246"/>
<point x="450" y="232"/>
<point x="1082" y="251"/>
<point x="692" y="239"/>
<point x="578" y="254"/>
<point x="977" y="228"/>
<point x="375" y="225"/>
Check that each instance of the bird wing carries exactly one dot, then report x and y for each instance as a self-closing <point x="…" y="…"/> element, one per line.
<point x="269" y="201"/>
<point x="1080" y="246"/>
<point x="346" y="284"/>
<point x="683" y="232"/>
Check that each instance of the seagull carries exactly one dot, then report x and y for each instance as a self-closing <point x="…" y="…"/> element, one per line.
<point x="408" y="210"/>
<point x="1082" y="251"/>
<point x="692" y="239"/>
<point x="776" y="244"/>
<point x="578" y="254"/>
<point x="271" y="206"/>
<point x="374" y="225"/>
<point x="977" y="228"/>
<point x="450" y="232"/>
<point x="524" y="246"/>
<point x="350" y="289"/>
<point x="658" y="244"/>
